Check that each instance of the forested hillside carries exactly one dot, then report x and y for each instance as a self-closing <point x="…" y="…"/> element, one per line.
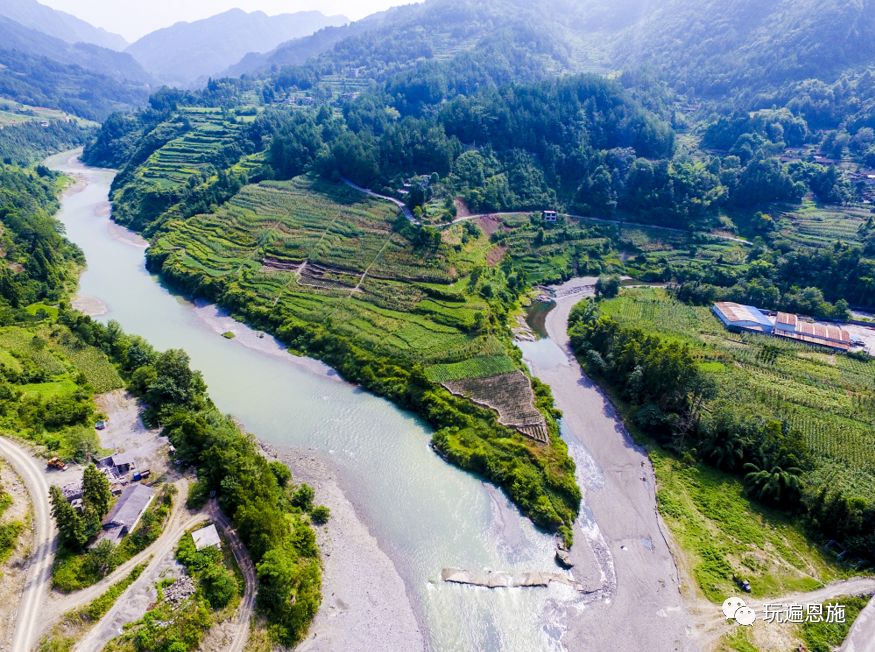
<point x="713" y="48"/>
<point x="385" y="43"/>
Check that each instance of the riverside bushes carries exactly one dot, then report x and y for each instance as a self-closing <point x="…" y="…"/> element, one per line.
<point x="276" y="532"/>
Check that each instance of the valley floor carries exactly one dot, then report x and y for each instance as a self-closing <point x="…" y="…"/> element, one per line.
<point x="639" y="598"/>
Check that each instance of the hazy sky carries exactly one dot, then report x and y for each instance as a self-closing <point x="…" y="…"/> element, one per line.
<point x="134" y="18"/>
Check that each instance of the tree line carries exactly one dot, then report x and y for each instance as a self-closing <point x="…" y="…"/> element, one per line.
<point x="667" y="395"/>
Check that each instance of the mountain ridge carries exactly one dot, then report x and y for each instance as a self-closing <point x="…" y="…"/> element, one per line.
<point x="186" y="53"/>
<point x="59" y="24"/>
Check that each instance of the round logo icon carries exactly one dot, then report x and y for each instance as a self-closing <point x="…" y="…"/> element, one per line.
<point x="745" y="616"/>
<point x="731" y="605"/>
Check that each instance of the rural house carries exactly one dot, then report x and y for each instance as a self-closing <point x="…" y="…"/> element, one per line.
<point x="127" y="512"/>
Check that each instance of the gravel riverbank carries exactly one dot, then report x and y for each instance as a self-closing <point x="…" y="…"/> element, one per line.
<point x="365" y="605"/>
<point x="638" y="604"/>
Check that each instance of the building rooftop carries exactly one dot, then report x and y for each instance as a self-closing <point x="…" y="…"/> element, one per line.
<point x="207" y="537"/>
<point x="735" y="313"/>
<point x="825" y="332"/>
<point x="121" y="459"/>
<point x="130" y="506"/>
<point x="787" y="319"/>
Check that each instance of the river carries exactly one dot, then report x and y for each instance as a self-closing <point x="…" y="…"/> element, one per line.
<point x="424" y="513"/>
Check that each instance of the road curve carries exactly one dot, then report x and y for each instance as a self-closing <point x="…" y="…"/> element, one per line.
<point x="71" y="601"/>
<point x="639" y="604"/>
<point x="39" y="574"/>
<point x="244" y="561"/>
<point x="861" y="638"/>
<point x="104" y="630"/>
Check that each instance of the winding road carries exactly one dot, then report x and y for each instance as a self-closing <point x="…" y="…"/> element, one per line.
<point x="39" y="574"/>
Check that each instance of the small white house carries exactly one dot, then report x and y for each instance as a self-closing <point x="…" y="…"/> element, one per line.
<point x="550" y="216"/>
<point x="207" y="537"/>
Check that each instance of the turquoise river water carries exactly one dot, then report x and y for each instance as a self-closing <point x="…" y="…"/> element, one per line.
<point x="425" y="513"/>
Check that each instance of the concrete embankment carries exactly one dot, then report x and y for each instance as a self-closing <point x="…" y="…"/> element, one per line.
<point x="500" y="580"/>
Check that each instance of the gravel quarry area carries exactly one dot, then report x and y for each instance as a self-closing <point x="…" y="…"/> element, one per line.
<point x="126" y="433"/>
<point x="619" y="532"/>
<point x="365" y="605"/>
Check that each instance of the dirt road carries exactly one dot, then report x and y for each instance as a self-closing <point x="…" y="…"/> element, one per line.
<point x="108" y="627"/>
<point x="241" y="555"/>
<point x="61" y="605"/>
<point x="638" y="604"/>
<point x="39" y="576"/>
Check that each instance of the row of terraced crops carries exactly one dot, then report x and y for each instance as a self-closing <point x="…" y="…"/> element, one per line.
<point x="172" y="165"/>
<point x="816" y="226"/>
<point x="325" y="254"/>
<point x="828" y="397"/>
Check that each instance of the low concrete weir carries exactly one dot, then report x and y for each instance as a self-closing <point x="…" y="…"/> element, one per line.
<point x="500" y="580"/>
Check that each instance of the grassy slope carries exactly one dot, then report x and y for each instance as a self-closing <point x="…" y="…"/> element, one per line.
<point x="65" y="368"/>
<point x="722" y="532"/>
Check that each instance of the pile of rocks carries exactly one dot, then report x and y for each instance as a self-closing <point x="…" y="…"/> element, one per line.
<point x="179" y="591"/>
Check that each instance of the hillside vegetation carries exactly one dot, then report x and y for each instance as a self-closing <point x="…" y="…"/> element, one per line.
<point x="795" y="422"/>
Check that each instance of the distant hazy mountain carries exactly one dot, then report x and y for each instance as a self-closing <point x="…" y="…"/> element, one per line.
<point x="58" y="24"/>
<point x="297" y="51"/>
<point x="117" y="65"/>
<point x="188" y="52"/>
<point x="80" y="78"/>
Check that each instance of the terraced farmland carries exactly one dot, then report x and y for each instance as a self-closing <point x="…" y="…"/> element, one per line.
<point x="199" y="142"/>
<point x="813" y="226"/>
<point x="325" y="254"/>
<point x="828" y="397"/>
<point x="584" y="247"/>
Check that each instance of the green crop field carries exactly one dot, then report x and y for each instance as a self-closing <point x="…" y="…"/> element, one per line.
<point x="15" y="113"/>
<point x="828" y="397"/>
<point x="814" y="226"/>
<point x="47" y="380"/>
<point x="327" y="254"/>
<point x="579" y="247"/>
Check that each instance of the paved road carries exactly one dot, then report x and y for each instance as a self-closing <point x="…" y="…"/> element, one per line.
<point x="711" y="625"/>
<point x="400" y="204"/>
<point x="862" y="635"/>
<point x="409" y="215"/>
<point x="637" y="602"/>
<point x="39" y="574"/>
<point x="247" y="605"/>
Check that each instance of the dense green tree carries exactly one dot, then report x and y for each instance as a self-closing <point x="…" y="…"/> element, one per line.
<point x="71" y="529"/>
<point x="96" y="494"/>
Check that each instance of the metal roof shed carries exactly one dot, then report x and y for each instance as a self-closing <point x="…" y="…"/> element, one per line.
<point x="207" y="537"/>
